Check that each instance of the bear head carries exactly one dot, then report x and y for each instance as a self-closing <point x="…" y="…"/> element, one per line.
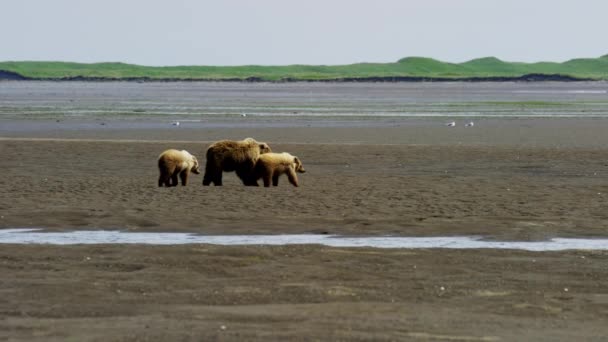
<point x="195" y="166"/>
<point x="298" y="165"/>
<point x="264" y="148"/>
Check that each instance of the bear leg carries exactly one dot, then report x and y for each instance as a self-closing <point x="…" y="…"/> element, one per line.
<point x="266" y="178"/>
<point x="293" y="178"/>
<point x="174" y="180"/>
<point x="275" y="179"/>
<point x="217" y="180"/>
<point x="209" y="178"/>
<point x="162" y="179"/>
<point x="166" y="169"/>
<point x="246" y="174"/>
<point x="250" y="182"/>
<point x="184" y="176"/>
<point x="213" y="174"/>
<point x="165" y="180"/>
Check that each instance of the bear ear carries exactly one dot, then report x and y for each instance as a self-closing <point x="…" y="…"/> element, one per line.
<point x="296" y="160"/>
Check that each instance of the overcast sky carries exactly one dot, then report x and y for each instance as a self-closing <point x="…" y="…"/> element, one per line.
<point x="281" y="32"/>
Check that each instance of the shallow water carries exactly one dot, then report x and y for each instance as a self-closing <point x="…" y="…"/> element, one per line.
<point x="209" y="100"/>
<point x="37" y="236"/>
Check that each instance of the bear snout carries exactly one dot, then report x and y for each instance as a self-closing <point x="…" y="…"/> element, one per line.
<point x="195" y="168"/>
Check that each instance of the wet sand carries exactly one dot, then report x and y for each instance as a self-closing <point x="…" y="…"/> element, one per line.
<point x="301" y="293"/>
<point x="507" y="179"/>
<point x="508" y="192"/>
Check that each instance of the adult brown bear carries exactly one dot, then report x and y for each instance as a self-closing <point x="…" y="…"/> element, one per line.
<point x="273" y="165"/>
<point x="229" y="155"/>
<point x="173" y="163"/>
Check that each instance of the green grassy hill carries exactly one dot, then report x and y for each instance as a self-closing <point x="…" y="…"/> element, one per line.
<point x="410" y="67"/>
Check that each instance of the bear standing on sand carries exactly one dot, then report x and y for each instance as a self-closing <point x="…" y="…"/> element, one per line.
<point x="172" y="163"/>
<point x="229" y="155"/>
<point x="272" y="165"/>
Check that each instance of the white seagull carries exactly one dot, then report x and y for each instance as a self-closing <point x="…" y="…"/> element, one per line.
<point x="470" y="124"/>
<point x="175" y="123"/>
<point x="451" y="124"/>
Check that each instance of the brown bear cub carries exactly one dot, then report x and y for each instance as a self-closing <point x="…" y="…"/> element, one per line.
<point x="272" y="165"/>
<point x="229" y="155"/>
<point x="172" y="163"/>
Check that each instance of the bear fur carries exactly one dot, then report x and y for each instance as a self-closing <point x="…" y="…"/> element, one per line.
<point x="229" y="155"/>
<point x="173" y="163"/>
<point x="271" y="166"/>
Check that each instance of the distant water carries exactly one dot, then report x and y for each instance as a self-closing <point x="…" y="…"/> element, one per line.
<point x="210" y="100"/>
<point x="36" y="236"/>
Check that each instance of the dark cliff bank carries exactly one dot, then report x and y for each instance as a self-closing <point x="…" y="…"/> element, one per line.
<point x="9" y="75"/>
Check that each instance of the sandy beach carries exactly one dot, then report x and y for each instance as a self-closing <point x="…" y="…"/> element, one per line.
<point x="506" y="178"/>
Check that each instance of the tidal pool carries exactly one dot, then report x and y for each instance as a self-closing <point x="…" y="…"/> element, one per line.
<point x="37" y="236"/>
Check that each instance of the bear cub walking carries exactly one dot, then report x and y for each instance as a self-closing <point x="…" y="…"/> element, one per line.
<point x="173" y="163"/>
<point x="270" y="166"/>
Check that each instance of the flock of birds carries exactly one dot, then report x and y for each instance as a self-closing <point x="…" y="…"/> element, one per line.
<point x="453" y="124"/>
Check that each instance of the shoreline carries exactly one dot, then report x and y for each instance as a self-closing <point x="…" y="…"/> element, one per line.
<point x="533" y="77"/>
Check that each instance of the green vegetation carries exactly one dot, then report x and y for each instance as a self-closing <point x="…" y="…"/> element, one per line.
<point x="589" y="68"/>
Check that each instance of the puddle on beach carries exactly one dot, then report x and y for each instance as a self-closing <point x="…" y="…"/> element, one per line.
<point x="37" y="236"/>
